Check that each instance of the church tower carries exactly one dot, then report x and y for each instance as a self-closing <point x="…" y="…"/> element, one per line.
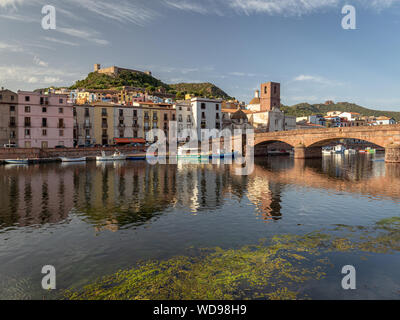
<point x="270" y="96"/>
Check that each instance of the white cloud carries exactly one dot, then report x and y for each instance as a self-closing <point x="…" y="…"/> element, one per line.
<point x="39" y="62"/>
<point x="10" y="3"/>
<point x="271" y="7"/>
<point x="83" y="34"/>
<point x="56" y="40"/>
<point x="35" y="75"/>
<point x="10" y="47"/>
<point x="316" y="79"/>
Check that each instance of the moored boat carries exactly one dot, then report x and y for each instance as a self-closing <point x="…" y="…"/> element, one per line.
<point x="116" y="156"/>
<point x="64" y="159"/>
<point x="16" y="161"/>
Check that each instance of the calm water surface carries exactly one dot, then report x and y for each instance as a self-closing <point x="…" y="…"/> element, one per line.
<point x="90" y="220"/>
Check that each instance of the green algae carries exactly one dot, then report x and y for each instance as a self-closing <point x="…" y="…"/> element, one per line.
<point x="275" y="270"/>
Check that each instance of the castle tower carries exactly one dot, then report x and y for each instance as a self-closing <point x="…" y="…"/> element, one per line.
<point x="97" y="67"/>
<point x="270" y="96"/>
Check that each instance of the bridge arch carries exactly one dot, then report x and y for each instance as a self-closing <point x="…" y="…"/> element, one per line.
<point x="327" y="141"/>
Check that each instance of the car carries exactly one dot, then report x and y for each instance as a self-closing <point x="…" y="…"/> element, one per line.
<point x="10" y="145"/>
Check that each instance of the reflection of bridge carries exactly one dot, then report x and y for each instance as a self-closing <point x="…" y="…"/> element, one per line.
<point x="308" y="143"/>
<point x="301" y="174"/>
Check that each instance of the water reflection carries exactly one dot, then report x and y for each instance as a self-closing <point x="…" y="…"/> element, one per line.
<point x="129" y="194"/>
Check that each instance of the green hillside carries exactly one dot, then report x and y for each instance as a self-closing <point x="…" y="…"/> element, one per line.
<point x="206" y="89"/>
<point x="96" y="80"/>
<point x="306" y="109"/>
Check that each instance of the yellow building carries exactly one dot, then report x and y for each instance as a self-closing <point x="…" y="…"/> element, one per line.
<point x="103" y="123"/>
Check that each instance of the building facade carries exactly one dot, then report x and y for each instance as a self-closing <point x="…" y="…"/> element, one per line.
<point x="8" y="117"/>
<point x="184" y="118"/>
<point x="84" y="125"/>
<point x="206" y="115"/>
<point x="44" y="120"/>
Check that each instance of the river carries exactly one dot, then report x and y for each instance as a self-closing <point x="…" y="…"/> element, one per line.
<point x="91" y="220"/>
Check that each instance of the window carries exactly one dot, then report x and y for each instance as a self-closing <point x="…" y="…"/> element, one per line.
<point x="44" y="132"/>
<point x="203" y="105"/>
<point x="27" y="132"/>
<point x="12" y="98"/>
<point x="217" y="106"/>
<point x="13" y="135"/>
<point x="60" y="110"/>
<point x="61" y="123"/>
<point x="165" y="117"/>
<point x="44" y="110"/>
<point x="27" y="109"/>
<point x="135" y="113"/>
<point x="86" y="112"/>
<point x="203" y="115"/>
<point x="217" y="116"/>
<point x="275" y="89"/>
<point x="265" y="90"/>
<point x="27" y="98"/>
<point x="61" y="133"/>
<point x="12" y="108"/>
<point x="44" y="122"/>
<point x="27" y="122"/>
<point x="180" y="118"/>
<point x="173" y="117"/>
<point x="104" y="112"/>
<point x="121" y="112"/>
<point x="1" y="97"/>
<point x="12" y="122"/>
<point x="61" y="101"/>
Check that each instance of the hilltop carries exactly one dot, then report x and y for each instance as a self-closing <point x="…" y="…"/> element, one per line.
<point x="96" y="80"/>
<point x="205" y="89"/>
<point x="306" y="109"/>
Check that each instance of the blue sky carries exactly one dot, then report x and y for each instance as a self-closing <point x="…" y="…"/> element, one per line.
<point x="235" y="44"/>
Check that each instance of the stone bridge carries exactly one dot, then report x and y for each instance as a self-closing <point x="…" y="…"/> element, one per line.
<point x="308" y="143"/>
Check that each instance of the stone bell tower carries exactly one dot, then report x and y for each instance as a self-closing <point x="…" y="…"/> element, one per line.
<point x="270" y="96"/>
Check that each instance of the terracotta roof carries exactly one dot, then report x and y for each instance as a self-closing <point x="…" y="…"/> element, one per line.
<point x="255" y="101"/>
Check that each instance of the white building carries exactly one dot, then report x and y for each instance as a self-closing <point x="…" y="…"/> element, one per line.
<point x="350" y="116"/>
<point x="184" y="117"/>
<point x="385" y="121"/>
<point x="206" y="114"/>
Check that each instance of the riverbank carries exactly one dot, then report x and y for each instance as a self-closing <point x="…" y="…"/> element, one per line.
<point x="37" y="155"/>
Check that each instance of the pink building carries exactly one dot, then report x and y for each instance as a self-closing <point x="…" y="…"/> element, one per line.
<point x="44" y="120"/>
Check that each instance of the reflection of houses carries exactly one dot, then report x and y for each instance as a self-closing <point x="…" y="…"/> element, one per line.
<point x="35" y="197"/>
<point x="266" y="196"/>
<point x="200" y="186"/>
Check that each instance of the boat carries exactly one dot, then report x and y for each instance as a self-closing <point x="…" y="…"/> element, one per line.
<point x="16" y="161"/>
<point x="350" y="151"/>
<point x="64" y="159"/>
<point x="116" y="156"/>
<point x="368" y="151"/>
<point x="339" y="149"/>
<point x="327" y="151"/>
<point x="278" y="152"/>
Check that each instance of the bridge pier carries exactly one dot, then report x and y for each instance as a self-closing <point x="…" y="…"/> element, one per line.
<point x="392" y="153"/>
<point x="302" y="152"/>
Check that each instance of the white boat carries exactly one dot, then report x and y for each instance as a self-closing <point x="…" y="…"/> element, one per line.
<point x="339" y="149"/>
<point x="63" y="159"/>
<point x="327" y="151"/>
<point x="16" y="161"/>
<point x="350" y="151"/>
<point x="116" y="156"/>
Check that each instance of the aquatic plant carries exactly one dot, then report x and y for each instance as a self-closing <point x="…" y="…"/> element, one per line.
<point x="275" y="270"/>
